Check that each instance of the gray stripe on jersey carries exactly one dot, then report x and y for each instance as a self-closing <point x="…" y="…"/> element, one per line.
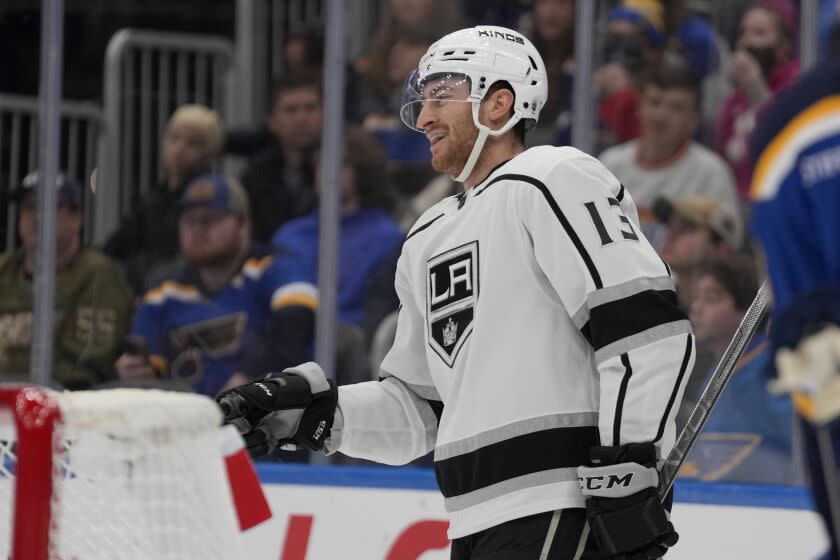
<point x="620" y="291"/>
<point x="549" y="538"/>
<point x="428" y="392"/>
<point x="458" y="503"/>
<point x="521" y="428"/>
<point x="643" y="338"/>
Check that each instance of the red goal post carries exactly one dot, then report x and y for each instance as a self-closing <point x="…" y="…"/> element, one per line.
<point x="122" y="473"/>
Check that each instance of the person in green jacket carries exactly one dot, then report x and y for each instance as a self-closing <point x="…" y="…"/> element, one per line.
<point x="93" y="301"/>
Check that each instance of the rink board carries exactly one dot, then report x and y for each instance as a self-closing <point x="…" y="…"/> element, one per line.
<point x="397" y="514"/>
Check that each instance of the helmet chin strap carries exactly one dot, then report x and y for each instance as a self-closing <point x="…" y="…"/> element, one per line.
<point x="483" y="133"/>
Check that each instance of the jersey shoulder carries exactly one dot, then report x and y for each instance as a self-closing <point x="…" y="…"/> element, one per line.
<point x="435" y="212"/>
<point x="803" y="117"/>
<point x="565" y="172"/>
<point x="820" y="83"/>
<point x="171" y="291"/>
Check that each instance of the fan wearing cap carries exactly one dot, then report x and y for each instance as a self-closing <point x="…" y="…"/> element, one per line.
<point x="539" y="348"/>
<point x="93" y="301"/>
<point x="233" y="311"/>
<point x="633" y="42"/>
<point x="698" y="228"/>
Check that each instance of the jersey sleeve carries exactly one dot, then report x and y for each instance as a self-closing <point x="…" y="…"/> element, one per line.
<point x="283" y="282"/>
<point x="393" y="420"/>
<point x="286" y="335"/>
<point x="618" y="292"/>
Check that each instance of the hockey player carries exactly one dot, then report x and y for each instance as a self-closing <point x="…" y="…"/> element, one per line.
<point x="539" y="349"/>
<point x="796" y="189"/>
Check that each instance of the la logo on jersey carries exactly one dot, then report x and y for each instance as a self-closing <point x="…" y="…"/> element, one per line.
<point x="452" y="290"/>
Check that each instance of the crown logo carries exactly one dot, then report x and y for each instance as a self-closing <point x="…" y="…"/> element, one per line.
<point x="450" y="332"/>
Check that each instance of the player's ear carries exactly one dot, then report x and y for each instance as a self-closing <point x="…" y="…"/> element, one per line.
<point x="497" y="107"/>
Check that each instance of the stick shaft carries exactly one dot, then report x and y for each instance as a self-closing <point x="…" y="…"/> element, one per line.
<point x="746" y="330"/>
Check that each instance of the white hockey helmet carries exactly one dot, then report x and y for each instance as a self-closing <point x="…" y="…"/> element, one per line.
<point x="478" y="57"/>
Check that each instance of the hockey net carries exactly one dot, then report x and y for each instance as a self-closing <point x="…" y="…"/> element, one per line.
<point x="118" y="474"/>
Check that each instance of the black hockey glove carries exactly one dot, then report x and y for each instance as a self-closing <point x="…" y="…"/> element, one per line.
<point x="287" y="410"/>
<point x="622" y="504"/>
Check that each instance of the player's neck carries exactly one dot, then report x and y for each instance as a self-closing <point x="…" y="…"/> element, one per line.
<point x="495" y="151"/>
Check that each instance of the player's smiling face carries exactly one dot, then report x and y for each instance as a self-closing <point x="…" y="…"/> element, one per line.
<point x="446" y="119"/>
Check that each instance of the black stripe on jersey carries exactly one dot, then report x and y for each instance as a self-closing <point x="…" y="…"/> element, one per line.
<point x="620" y="194"/>
<point x="544" y="450"/>
<point x="673" y="398"/>
<point x="424" y="226"/>
<point x="621" y="318"/>
<point x="622" y="393"/>
<point x="590" y="265"/>
<point x="437" y="408"/>
<point x="498" y="165"/>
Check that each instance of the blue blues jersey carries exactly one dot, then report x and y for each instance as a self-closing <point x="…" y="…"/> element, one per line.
<point x="368" y="237"/>
<point x="748" y="437"/>
<point x="203" y="339"/>
<point x="796" y="194"/>
<point x="796" y="217"/>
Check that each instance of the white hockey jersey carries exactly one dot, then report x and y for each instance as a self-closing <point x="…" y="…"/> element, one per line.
<point x="536" y="321"/>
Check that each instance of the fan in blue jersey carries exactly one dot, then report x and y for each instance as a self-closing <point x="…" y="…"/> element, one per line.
<point x="796" y="189"/>
<point x="232" y="312"/>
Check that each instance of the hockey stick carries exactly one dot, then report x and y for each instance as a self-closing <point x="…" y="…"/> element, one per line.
<point x="749" y="325"/>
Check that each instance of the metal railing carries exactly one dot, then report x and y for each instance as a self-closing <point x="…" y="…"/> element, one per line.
<point x="19" y="154"/>
<point x="148" y="74"/>
<point x="262" y="27"/>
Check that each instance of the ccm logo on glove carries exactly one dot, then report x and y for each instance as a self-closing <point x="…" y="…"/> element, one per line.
<point x="616" y="481"/>
<point x="597" y="482"/>
<point x="322" y="425"/>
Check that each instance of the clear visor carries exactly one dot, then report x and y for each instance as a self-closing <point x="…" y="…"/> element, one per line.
<point x="432" y="91"/>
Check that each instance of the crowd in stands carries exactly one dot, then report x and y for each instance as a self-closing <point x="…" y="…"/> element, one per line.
<point x="220" y="273"/>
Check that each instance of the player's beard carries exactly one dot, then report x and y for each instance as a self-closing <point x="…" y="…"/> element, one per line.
<point x="460" y="140"/>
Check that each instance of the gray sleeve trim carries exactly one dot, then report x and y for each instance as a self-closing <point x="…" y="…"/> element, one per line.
<point x="313" y="373"/>
<point x="644" y="338"/>
<point x="428" y="392"/>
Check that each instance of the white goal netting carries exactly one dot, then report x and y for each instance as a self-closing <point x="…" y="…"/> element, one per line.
<point x="137" y="474"/>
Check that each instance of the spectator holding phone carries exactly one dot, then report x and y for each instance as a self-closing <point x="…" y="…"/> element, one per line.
<point x="233" y="311"/>
<point x="762" y="65"/>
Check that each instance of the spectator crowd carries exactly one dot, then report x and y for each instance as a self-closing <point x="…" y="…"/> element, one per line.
<point x="210" y="280"/>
